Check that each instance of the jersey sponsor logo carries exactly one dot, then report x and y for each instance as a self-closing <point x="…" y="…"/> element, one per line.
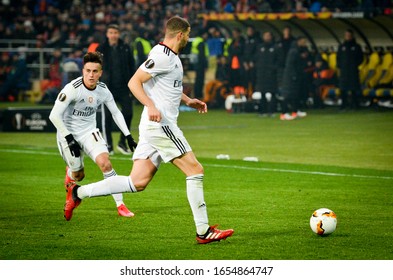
<point x="149" y="63"/>
<point x="88" y="111"/>
<point x="62" y="97"/>
<point x="177" y="83"/>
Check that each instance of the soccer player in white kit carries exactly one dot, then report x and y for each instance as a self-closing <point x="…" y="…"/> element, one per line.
<point x="157" y="84"/>
<point x="74" y="116"/>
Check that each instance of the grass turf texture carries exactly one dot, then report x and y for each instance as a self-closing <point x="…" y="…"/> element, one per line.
<point x="340" y="161"/>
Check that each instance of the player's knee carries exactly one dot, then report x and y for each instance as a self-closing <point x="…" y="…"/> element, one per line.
<point x="140" y="184"/>
<point x="198" y="168"/>
<point x="140" y="188"/>
<point x="103" y="162"/>
<point x="105" y="166"/>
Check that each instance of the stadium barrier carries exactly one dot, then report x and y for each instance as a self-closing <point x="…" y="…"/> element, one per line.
<point x="33" y="119"/>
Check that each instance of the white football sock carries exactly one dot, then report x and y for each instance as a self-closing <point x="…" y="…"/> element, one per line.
<point x="197" y="202"/>
<point x="118" y="197"/>
<point x="112" y="185"/>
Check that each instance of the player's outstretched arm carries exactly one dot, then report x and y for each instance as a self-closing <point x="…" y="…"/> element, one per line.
<point x="194" y="103"/>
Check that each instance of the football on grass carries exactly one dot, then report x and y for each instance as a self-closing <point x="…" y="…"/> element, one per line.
<point x="323" y="221"/>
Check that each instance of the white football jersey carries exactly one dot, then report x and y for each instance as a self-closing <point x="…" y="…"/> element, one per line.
<point x="165" y="87"/>
<point x="76" y="108"/>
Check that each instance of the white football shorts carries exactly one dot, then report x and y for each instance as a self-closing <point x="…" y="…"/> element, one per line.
<point x="163" y="143"/>
<point x="92" y="144"/>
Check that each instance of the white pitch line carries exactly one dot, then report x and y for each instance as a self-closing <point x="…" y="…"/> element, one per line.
<point x="28" y="152"/>
<point x="232" y="166"/>
<point x="299" y="171"/>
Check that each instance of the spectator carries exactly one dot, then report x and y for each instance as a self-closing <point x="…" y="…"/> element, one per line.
<point x="118" y="67"/>
<point x="54" y="36"/>
<point x="28" y="32"/>
<point x="235" y="55"/>
<point x="263" y="6"/>
<point x="286" y="42"/>
<point x="17" y="79"/>
<point x="293" y="81"/>
<point x="323" y="76"/>
<point x="299" y="7"/>
<point x="307" y="59"/>
<point x="349" y="57"/>
<point x="316" y="6"/>
<point x="218" y="90"/>
<point x="252" y="40"/>
<point x="215" y="42"/>
<point x="72" y="66"/>
<point x="5" y="67"/>
<point x="142" y="47"/>
<point x="93" y="42"/>
<point x="284" y="45"/>
<point x="200" y="49"/>
<point x="229" y="7"/>
<point x="266" y="57"/>
<point x="53" y="85"/>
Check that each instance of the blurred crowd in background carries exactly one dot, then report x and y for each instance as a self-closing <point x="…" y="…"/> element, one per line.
<point x="80" y="25"/>
<point x="77" y="23"/>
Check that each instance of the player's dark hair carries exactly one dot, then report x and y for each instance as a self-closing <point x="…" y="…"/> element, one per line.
<point x="176" y="24"/>
<point x="95" y="57"/>
<point x="113" y="26"/>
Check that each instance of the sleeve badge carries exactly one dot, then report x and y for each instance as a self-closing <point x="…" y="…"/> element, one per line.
<point x="149" y="63"/>
<point x="62" y="97"/>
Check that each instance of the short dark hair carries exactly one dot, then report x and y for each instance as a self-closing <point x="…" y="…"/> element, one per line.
<point x="113" y="26"/>
<point x="95" y="57"/>
<point x="176" y="24"/>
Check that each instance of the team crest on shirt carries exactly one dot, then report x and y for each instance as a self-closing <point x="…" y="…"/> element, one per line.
<point x="149" y="63"/>
<point x="62" y="97"/>
<point x="90" y="99"/>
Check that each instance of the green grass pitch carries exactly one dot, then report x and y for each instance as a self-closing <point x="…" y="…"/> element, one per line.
<point x="340" y="161"/>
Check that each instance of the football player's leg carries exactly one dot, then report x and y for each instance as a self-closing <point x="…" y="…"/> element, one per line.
<point x="147" y="160"/>
<point x="74" y="165"/>
<point x="107" y="170"/>
<point x="101" y="157"/>
<point x="195" y="194"/>
<point x="112" y="185"/>
<point x="194" y="172"/>
<point x="105" y="165"/>
<point x="142" y="173"/>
